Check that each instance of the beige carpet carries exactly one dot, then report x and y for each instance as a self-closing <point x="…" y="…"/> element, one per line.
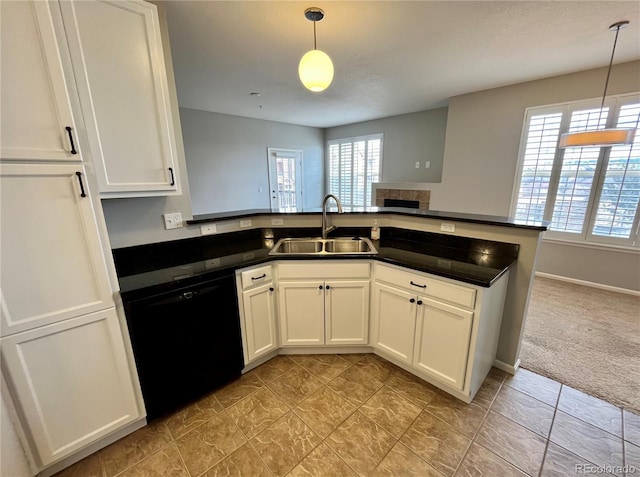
<point x="586" y="338"/>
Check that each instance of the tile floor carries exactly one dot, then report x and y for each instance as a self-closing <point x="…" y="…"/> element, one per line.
<point x="348" y="415"/>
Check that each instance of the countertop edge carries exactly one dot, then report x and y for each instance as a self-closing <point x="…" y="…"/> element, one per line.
<point x="427" y="214"/>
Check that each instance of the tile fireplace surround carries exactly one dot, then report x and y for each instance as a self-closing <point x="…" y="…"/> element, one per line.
<point x="358" y="415"/>
<point x="422" y="196"/>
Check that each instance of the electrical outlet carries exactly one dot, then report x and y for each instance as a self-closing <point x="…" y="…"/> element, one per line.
<point x="208" y="229"/>
<point x="248" y="256"/>
<point x="417" y="165"/>
<point x="427" y="164"/>
<point x="212" y="263"/>
<point x="172" y="221"/>
<point x="245" y="223"/>
<point x="444" y="227"/>
<point x="277" y="221"/>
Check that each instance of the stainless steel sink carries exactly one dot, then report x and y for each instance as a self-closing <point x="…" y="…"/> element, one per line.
<point x="320" y="246"/>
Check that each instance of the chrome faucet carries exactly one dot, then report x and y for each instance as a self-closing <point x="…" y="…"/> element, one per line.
<point x="328" y="228"/>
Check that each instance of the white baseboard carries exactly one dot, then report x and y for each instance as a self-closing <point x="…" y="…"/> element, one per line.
<point x="585" y="283"/>
<point x="511" y="369"/>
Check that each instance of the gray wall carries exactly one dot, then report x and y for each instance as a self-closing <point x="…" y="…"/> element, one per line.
<point x="228" y="165"/>
<point x="481" y="154"/>
<point x="408" y="138"/>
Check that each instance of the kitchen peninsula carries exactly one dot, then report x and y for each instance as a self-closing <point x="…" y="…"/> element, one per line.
<point x="524" y="238"/>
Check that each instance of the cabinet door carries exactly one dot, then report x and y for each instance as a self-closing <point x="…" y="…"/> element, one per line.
<point x="72" y="381"/>
<point x="394" y="320"/>
<point x="442" y="341"/>
<point x="53" y="267"/>
<point x="347" y="312"/>
<point x="301" y="306"/>
<point x="35" y="104"/>
<point x="118" y="62"/>
<point x="260" y="321"/>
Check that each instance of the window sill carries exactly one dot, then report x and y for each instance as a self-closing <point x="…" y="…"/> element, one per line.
<point x="594" y="245"/>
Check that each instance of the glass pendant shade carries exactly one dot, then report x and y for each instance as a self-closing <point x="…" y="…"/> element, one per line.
<point x="601" y="137"/>
<point x="316" y="70"/>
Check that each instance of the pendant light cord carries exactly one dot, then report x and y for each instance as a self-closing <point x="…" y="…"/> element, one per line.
<point x="315" y="47"/>
<point x="606" y="83"/>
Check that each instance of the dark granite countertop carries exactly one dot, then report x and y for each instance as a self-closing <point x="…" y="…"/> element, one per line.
<point x="430" y="214"/>
<point x="169" y="265"/>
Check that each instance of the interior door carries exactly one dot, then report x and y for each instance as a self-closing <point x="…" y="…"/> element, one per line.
<point x="285" y="179"/>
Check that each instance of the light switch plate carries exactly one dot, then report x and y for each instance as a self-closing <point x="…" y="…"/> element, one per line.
<point x="208" y="229"/>
<point x="277" y="221"/>
<point x="444" y="227"/>
<point x="245" y="223"/>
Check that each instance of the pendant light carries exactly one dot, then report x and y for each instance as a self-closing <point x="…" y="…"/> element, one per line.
<point x="602" y="137"/>
<point x="315" y="68"/>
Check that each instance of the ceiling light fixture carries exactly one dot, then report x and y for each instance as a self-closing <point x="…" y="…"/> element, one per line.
<point x="602" y="137"/>
<point x="315" y="68"/>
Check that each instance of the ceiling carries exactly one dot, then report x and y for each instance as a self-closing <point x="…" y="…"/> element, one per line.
<point x="390" y="58"/>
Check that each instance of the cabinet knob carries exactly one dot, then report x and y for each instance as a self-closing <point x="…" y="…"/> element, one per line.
<point x="413" y="300"/>
<point x="419" y="302"/>
<point x="271" y="289"/>
<point x="320" y="287"/>
<point x="327" y="287"/>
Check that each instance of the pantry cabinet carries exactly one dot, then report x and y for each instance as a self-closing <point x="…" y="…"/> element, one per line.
<point x="37" y="119"/>
<point x="323" y="303"/>
<point x="53" y="267"/>
<point x="71" y="381"/>
<point x="257" y="306"/>
<point x="118" y="66"/>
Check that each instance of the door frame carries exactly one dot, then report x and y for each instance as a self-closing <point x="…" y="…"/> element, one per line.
<point x="271" y="154"/>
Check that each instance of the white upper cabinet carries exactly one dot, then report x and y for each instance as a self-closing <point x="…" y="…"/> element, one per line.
<point x="33" y="87"/>
<point x="119" y="67"/>
<point x="53" y="267"/>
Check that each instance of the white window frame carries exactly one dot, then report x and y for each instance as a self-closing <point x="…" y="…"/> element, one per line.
<point x="353" y="140"/>
<point x="614" y="103"/>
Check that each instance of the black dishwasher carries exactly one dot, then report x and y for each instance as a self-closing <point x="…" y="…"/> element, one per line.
<point x="186" y="341"/>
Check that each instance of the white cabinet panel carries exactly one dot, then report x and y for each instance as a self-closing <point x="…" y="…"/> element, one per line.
<point x="301" y="306"/>
<point x="35" y="105"/>
<point x="260" y="321"/>
<point x="119" y="67"/>
<point x="442" y="341"/>
<point x="53" y="267"/>
<point x="72" y="382"/>
<point x="347" y="312"/>
<point x="394" y="321"/>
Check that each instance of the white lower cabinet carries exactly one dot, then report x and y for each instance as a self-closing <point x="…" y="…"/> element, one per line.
<point x="444" y="331"/>
<point x="258" y="314"/>
<point x="394" y="321"/>
<point x="323" y="303"/>
<point x="442" y="341"/>
<point x="72" y="382"/>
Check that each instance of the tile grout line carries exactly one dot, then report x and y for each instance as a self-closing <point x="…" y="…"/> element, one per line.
<point x="553" y="421"/>
<point x="475" y="434"/>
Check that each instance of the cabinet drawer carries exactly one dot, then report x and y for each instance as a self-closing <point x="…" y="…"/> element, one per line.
<point x="257" y="276"/>
<point x="323" y="270"/>
<point x="428" y="286"/>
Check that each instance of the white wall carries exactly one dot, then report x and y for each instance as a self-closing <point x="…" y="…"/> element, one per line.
<point x="481" y="154"/>
<point x="408" y="138"/>
<point x="227" y="160"/>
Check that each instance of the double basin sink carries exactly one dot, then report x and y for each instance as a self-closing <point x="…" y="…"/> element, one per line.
<point x="320" y="246"/>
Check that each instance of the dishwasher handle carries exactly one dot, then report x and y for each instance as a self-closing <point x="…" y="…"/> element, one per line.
<point x="183" y="296"/>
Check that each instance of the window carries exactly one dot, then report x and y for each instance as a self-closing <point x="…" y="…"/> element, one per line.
<point x="354" y="164"/>
<point x="586" y="193"/>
